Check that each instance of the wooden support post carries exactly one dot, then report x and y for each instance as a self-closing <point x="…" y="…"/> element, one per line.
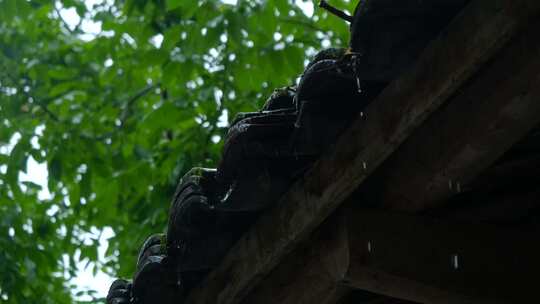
<point x="470" y="41"/>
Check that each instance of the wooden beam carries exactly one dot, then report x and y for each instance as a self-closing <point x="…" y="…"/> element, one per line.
<point x="314" y="272"/>
<point x="510" y="175"/>
<point x="407" y="257"/>
<point x="363" y="297"/>
<point x="531" y="144"/>
<point x="480" y="123"/>
<point x="471" y="40"/>
<point x="432" y="261"/>
<point x="311" y="273"/>
<point x="497" y="208"/>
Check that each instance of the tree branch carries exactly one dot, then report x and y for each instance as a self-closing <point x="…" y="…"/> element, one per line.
<point x="66" y="25"/>
<point x="299" y="22"/>
<point x="129" y="104"/>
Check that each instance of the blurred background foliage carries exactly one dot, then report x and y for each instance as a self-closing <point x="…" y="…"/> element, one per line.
<point x="117" y="99"/>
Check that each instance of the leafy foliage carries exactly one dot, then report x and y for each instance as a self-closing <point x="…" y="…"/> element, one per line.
<point x="120" y="114"/>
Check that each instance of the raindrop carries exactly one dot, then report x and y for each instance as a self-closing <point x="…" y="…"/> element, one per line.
<point x="455" y="261"/>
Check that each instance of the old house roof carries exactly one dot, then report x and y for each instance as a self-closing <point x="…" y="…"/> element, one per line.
<point x="410" y="202"/>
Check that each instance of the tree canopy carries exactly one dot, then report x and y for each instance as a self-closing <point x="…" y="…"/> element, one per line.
<point x="119" y="98"/>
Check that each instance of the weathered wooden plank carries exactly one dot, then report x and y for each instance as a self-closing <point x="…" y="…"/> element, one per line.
<point x="433" y="261"/>
<point x="506" y="193"/>
<point x="497" y="208"/>
<point x="311" y="273"/>
<point x="315" y="273"/>
<point x="471" y="40"/>
<point x="531" y="144"/>
<point x="412" y="258"/>
<point x="510" y="174"/>
<point x="458" y="142"/>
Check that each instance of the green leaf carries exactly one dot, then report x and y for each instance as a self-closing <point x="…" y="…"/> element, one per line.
<point x="177" y="74"/>
<point x="62" y="73"/>
<point x="55" y="169"/>
<point x="18" y="155"/>
<point x="8" y="9"/>
<point x="173" y="4"/>
<point x="171" y="37"/>
<point x="60" y="89"/>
